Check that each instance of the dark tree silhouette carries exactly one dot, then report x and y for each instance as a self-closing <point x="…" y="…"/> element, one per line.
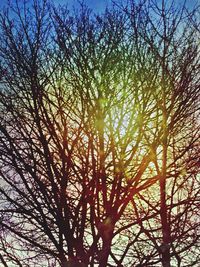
<point x="174" y="230"/>
<point x="99" y="148"/>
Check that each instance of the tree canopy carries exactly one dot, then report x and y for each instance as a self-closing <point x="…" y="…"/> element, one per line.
<point x="99" y="135"/>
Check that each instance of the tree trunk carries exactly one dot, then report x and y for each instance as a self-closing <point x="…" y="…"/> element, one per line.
<point x="105" y="254"/>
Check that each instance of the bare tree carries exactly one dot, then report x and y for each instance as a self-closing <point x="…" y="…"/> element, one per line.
<point x="172" y="225"/>
<point x="98" y="114"/>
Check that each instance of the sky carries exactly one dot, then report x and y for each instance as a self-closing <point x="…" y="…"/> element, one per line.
<point x="96" y="5"/>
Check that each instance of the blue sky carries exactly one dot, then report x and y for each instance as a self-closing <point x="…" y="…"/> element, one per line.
<point x="96" y="5"/>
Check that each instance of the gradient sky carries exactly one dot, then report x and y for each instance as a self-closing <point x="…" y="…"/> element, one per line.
<point x="96" y="5"/>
